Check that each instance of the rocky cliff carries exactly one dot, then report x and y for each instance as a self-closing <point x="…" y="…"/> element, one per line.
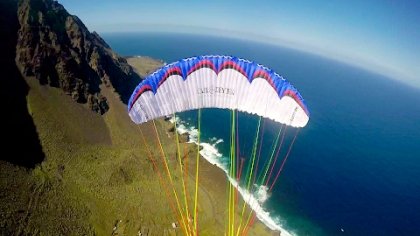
<point x="58" y="50"/>
<point x="18" y="128"/>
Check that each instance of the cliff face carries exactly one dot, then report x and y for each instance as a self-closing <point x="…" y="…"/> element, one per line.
<point x="59" y="51"/>
<point x="18" y="128"/>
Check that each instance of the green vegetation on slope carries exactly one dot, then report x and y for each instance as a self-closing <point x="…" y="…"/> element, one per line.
<point x="144" y="65"/>
<point x="96" y="175"/>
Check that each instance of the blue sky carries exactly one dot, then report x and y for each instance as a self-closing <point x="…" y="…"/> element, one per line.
<point x="380" y="35"/>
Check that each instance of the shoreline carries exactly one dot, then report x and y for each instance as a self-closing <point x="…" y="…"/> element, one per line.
<point x="210" y="154"/>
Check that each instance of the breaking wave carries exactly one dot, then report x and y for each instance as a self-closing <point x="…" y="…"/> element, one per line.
<point x="255" y="199"/>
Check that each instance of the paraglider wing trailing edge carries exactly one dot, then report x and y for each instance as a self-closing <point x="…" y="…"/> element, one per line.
<point x="217" y="82"/>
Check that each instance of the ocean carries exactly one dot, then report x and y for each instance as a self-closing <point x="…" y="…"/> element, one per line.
<point x="353" y="170"/>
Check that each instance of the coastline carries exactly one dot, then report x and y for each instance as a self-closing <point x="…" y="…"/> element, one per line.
<point x="210" y="154"/>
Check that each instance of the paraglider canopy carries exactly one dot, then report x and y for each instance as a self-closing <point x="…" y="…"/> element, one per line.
<point x="228" y="83"/>
<point x="218" y="82"/>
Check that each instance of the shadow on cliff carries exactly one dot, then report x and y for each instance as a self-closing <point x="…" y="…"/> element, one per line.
<point x="123" y="84"/>
<point x="21" y="144"/>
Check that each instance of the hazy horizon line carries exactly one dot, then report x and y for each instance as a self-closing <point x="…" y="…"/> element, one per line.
<point x="372" y="67"/>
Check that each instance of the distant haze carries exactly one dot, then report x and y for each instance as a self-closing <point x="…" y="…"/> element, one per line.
<point x="381" y="36"/>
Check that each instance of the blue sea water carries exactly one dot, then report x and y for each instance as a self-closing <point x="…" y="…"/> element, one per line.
<point x="355" y="166"/>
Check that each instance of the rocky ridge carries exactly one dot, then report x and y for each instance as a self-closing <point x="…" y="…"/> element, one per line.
<point x="58" y="50"/>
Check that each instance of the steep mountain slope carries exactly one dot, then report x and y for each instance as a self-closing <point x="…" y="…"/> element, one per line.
<point x="59" y="50"/>
<point x="17" y="125"/>
<point x="77" y="165"/>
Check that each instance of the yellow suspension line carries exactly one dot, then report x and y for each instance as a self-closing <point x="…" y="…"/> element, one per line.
<point x="182" y="175"/>
<point x="230" y="188"/>
<point x="254" y="150"/>
<point x="229" y="196"/>
<point x="271" y="156"/>
<point x="196" y="174"/>
<point x="232" y="175"/>
<point x="170" y="179"/>
<point x="159" y="175"/>
<point x="265" y="174"/>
